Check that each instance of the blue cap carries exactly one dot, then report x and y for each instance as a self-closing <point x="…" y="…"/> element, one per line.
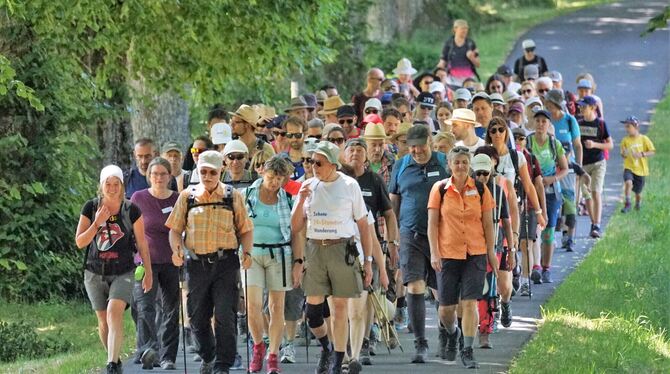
<point x="587" y="100"/>
<point x="632" y="120"/>
<point x="387" y="97"/>
<point x="542" y="112"/>
<point x="584" y="83"/>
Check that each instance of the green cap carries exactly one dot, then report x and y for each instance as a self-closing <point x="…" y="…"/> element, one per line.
<point x="329" y="151"/>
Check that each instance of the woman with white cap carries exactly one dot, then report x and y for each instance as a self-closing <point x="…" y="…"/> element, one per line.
<point x="111" y="229"/>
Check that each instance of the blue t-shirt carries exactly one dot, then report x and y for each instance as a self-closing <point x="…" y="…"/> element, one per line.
<point x="298" y="168"/>
<point x="266" y="228"/>
<point x="134" y="181"/>
<point x="566" y="131"/>
<point x="413" y="186"/>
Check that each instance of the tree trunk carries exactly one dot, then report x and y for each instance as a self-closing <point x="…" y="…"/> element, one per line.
<point x="161" y="118"/>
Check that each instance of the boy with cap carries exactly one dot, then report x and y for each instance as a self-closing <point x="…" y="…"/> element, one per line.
<point x="635" y="149"/>
<point x="529" y="58"/>
<point x="424" y="111"/>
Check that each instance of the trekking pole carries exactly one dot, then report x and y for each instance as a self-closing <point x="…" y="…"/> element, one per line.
<point x="181" y="312"/>
<point x="528" y="249"/>
<point x="307" y="340"/>
<point x="246" y="310"/>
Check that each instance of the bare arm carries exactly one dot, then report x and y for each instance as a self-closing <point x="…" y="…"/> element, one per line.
<point x="579" y="151"/>
<point x="487" y="222"/>
<point x="433" y="241"/>
<point x="143" y="249"/>
<point x="513" y="210"/>
<point x="86" y="229"/>
<point x="395" y="203"/>
<point x="392" y="230"/>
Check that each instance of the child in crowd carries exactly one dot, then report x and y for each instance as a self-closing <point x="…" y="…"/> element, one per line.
<point x="635" y="149"/>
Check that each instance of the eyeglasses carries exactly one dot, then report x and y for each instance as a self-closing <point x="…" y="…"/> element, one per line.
<point x="238" y="157"/>
<point x="497" y="129"/>
<point x="480" y="173"/>
<point x="318" y="137"/>
<point x="213" y="173"/>
<point x="375" y="79"/>
<point x="520" y="138"/>
<point x="371" y="111"/>
<point x="196" y="151"/>
<point x="159" y="175"/>
<point x="336" y="140"/>
<point x="526" y="91"/>
<point x="307" y="160"/>
<point x="348" y="121"/>
<point x="294" y="135"/>
<point x="425" y="107"/>
<point x="543" y="90"/>
<point x="317" y="163"/>
<point x="279" y="133"/>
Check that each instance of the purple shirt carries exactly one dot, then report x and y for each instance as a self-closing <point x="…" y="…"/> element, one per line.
<point x="155" y="212"/>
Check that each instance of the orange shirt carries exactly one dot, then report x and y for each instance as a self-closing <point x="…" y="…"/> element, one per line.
<point x="210" y="227"/>
<point x="460" y="229"/>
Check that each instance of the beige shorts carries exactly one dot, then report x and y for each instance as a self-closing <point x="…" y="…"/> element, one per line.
<point x="266" y="272"/>
<point x="597" y="172"/>
<point x="327" y="273"/>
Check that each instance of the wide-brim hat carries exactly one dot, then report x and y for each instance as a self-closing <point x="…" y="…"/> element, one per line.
<point x="462" y="115"/>
<point x="247" y="113"/>
<point x="298" y="102"/>
<point x="330" y="151"/>
<point x="374" y="131"/>
<point x="404" y="67"/>
<point x="330" y="105"/>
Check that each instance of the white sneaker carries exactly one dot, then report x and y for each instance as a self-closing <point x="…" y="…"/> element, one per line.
<point x="288" y="354"/>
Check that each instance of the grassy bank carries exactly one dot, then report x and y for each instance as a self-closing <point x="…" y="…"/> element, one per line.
<point x="612" y="313"/>
<point x="75" y="322"/>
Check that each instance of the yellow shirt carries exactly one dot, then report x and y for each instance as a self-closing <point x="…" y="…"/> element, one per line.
<point x="640" y="143"/>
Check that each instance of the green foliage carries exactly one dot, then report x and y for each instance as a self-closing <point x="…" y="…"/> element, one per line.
<point x="19" y="340"/>
<point x="658" y="21"/>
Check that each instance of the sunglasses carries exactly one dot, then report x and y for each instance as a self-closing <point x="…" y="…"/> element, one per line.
<point x="499" y="130"/>
<point x="279" y="133"/>
<point x="544" y="90"/>
<point x="336" y="140"/>
<point x="307" y="160"/>
<point x="519" y="138"/>
<point x="480" y="173"/>
<point x="425" y="107"/>
<point x="294" y="135"/>
<point x="371" y="111"/>
<point x="348" y="121"/>
<point x="317" y="163"/>
<point x="237" y="157"/>
<point x="196" y="151"/>
<point x="213" y="173"/>
<point x="526" y="91"/>
<point x="318" y="137"/>
<point x="530" y="49"/>
<point x="460" y="150"/>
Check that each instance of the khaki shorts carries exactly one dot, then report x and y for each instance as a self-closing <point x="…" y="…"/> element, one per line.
<point x="327" y="273"/>
<point x="597" y="172"/>
<point x="266" y="272"/>
<point x="102" y="288"/>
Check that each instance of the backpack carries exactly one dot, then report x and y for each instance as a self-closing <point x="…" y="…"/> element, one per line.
<point x="478" y="184"/>
<point x="116" y="266"/>
<point x="403" y="163"/>
<point x="226" y="203"/>
<point x="451" y="44"/>
<point x="552" y="145"/>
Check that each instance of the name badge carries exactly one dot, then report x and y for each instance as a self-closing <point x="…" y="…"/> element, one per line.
<point x="367" y="193"/>
<point x="433" y="174"/>
<point x="167" y="210"/>
<point x="471" y="193"/>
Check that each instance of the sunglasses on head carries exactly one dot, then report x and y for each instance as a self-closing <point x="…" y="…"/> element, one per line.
<point x="336" y="140"/>
<point x="497" y="129"/>
<point x="318" y="137"/>
<point x="294" y="135"/>
<point x="238" y="157"/>
<point x="371" y="111"/>
<point x="279" y="133"/>
<point x="480" y="173"/>
<point x="348" y="121"/>
<point x="196" y="151"/>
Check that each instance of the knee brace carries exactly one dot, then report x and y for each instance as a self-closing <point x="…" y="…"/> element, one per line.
<point x="548" y="236"/>
<point x="314" y="315"/>
<point x="570" y="221"/>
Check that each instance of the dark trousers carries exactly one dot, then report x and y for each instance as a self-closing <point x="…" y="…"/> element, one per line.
<point x="164" y="298"/>
<point x="213" y="289"/>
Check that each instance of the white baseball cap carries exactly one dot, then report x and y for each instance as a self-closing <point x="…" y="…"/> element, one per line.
<point x="222" y="133"/>
<point x="235" y="146"/>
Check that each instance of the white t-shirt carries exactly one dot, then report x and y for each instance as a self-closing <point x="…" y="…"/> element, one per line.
<point x="480" y="142"/>
<point x="333" y="208"/>
<point x="506" y="166"/>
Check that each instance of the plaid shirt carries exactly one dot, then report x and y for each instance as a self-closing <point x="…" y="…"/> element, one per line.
<point x="210" y="228"/>
<point x="385" y="171"/>
<point x="282" y="208"/>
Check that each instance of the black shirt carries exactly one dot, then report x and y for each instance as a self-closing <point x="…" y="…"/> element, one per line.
<point x="521" y="63"/>
<point x="596" y="131"/>
<point x="375" y="195"/>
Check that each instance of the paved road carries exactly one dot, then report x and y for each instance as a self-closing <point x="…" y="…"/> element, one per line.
<point x="631" y="74"/>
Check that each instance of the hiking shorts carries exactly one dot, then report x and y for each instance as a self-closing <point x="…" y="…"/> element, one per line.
<point x="327" y="272"/>
<point x="597" y="172"/>
<point x="266" y="272"/>
<point x="415" y="259"/>
<point x="638" y="180"/>
<point x="102" y="288"/>
<point x="529" y="220"/>
<point x="461" y="279"/>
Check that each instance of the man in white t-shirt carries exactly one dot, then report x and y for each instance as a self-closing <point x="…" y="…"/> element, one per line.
<point x="330" y="206"/>
<point x="463" y="122"/>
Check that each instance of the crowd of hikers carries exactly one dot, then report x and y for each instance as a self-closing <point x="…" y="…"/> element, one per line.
<point x="340" y="220"/>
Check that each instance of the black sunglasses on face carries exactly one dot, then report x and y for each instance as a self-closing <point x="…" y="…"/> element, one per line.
<point x="543" y="90"/>
<point x="530" y="49"/>
<point x="460" y="150"/>
<point x="526" y="91"/>
<point x="336" y="140"/>
<point x="279" y="133"/>
<point x="238" y="157"/>
<point x="209" y="172"/>
<point x="480" y="173"/>
<point x="294" y="135"/>
<point x="425" y="107"/>
<point x="519" y="138"/>
<point x="343" y="121"/>
<point x="500" y="130"/>
<point x="307" y="160"/>
<point x="315" y="136"/>
<point x="371" y="111"/>
<point x="317" y="163"/>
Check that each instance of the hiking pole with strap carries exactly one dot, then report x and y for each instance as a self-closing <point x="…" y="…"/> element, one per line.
<point x="181" y="312"/>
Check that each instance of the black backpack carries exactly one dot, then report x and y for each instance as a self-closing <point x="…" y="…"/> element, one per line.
<point x="478" y="184"/>
<point x="120" y="265"/>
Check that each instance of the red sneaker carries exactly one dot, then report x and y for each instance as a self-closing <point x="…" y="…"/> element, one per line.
<point x="273" y="364"/>
<point x="257" y="360"/>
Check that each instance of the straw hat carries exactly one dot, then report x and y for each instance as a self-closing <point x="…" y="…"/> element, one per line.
<point x="374" y="131"/>
<point x="330" y="105"/>
<point x="462" y="115"/>
<point x="403" y="129"/>
<point x="247" y="113"/>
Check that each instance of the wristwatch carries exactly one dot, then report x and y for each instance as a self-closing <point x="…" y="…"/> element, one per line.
<point x="538" y="211"/>
<point x="368" y="258"/>
<point x="396" y="243"/>
<point x="298" y="261"/>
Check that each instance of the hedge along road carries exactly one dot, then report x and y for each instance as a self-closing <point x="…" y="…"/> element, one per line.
<point x="631" y="73"/>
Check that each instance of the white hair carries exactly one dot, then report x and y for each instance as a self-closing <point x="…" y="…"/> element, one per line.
<point x="546" y="81"/>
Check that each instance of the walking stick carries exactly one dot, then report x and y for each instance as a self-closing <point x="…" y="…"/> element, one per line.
<point x="246" y="310"/>
<point x="181" y="312"/>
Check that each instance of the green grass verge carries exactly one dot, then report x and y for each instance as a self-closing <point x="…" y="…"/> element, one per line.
<point x="76" y="322"/>
<point x="613" y="313"/>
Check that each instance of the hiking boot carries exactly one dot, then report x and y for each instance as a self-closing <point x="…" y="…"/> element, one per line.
<point x="442" y="345"/>
<point x="626" y="208"/>
<point x="452" y="341"/>
<point x="288" y="354"/>
<point x="546" y="276"/>
<point x="484" y="342"/>
<point x="168" y="365"/>
<point x="401" y="321"/>
<point x="355" y="367"/>
<point x="256" y="364"/>
<point x="114" y="368"/>
<point x="237" y="364"/>
<point x="569" y="245"/>
<point x="524" y="290"/>
<point x="595" y="231"/>
<point x="536" y="277"/>
<point x="468" y="359"/>
<point x="516" y="279"/>
<point x="345" y="367"/>
<point x="207" y="367"/>
<point x="365" y="353"/>
<point x="324" y="362"/>
<point x="421" y="346"/>
<point x="273" y="364"/>
<point x="506" y="314"/>
<point x="148" y="358"/>
<point x="374" y="338"/>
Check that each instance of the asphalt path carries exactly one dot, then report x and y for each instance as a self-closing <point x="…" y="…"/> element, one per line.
<point x="631" y="73"/>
